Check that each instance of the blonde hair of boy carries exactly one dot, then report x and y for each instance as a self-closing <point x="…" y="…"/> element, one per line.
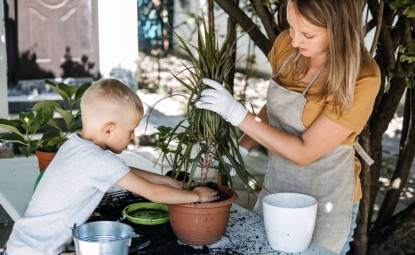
<point x="109" y="100"/>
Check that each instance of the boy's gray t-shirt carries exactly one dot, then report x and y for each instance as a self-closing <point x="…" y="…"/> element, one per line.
<point x="69" y="191"/>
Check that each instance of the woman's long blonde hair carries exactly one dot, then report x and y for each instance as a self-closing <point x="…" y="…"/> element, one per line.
<point x="343" y="20"/>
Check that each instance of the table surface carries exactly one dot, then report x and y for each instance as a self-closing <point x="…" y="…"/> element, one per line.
<point x="245" y="233"/>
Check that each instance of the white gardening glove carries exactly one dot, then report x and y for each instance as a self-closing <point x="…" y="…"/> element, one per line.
<point x="219" y="100"/>
<point x="244" y="152"/>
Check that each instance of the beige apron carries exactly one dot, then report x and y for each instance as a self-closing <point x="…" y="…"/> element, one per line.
<point x="330" y="179"/>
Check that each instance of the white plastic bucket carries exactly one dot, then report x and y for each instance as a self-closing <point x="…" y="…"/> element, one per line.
<point x="102" y="237"/>
<point x="289" y="220"/>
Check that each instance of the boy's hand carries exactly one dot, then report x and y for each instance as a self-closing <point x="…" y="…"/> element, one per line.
<point x="206" y="194"/>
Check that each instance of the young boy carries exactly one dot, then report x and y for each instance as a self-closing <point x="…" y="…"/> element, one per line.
<point x="85" y="167"/>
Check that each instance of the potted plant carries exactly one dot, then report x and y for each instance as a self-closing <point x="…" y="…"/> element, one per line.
<point x="25" y="131"/>
<point x="201" y="140"/>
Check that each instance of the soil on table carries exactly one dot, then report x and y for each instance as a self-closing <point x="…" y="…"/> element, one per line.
<point x="162" y="238"/>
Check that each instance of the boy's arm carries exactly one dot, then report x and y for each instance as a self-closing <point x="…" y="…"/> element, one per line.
<point x="160" y="193"/>
<point x="157" y="178"/>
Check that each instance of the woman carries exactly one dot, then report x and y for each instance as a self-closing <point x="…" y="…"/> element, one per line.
<point x="320" y="96"/>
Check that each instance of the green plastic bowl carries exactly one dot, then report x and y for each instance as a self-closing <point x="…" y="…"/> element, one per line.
<point x="147" y="213"/>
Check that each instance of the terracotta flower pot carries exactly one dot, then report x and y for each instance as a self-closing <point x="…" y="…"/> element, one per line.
<point x="44" y="158"/>
<point x="201" y="224"/>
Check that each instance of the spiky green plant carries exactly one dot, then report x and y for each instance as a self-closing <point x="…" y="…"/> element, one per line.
<point x="203" y="129"/>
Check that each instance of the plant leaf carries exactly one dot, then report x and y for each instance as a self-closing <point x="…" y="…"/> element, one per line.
<point x="67" y="117"/>
<point x="14" y="138"/>
<point x="9" y="125"/>
<point x="58" y="90"/>
<point x="46" y="104"/>
<point x="81" y="90"/>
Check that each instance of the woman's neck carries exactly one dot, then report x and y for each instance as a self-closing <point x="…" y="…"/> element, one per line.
<point x="315" y="68"/>
<point x="317" y="62"/>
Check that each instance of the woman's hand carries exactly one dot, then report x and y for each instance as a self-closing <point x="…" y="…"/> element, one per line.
<point x="219" y="100"/>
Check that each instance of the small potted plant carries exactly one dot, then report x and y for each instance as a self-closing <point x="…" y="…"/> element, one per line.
<point x="25" y="131"/>
<point x="201" y="140"/>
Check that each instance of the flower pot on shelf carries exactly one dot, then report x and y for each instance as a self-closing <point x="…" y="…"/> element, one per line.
<point x="44" y="159"/>
<point x="201" y="224"/>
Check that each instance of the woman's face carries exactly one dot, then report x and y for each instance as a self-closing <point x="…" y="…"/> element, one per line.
<point x="311" y="40"/>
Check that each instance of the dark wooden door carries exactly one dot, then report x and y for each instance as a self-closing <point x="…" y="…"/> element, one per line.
<point x="51" y="29"/>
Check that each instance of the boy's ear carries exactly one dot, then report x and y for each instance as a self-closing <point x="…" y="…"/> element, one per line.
<point x="108" y="129"/>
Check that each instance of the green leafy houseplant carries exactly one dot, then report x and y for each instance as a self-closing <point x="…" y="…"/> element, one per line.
<point x="203" y="131"/>
<point x="30" y="123"/>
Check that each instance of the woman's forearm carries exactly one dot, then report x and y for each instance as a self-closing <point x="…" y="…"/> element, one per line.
<point x="247" y="141"/>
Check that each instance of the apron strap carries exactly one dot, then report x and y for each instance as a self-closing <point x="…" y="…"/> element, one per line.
<point x="284" y="64"/>
<point x="362" y="153"/>
<point x="314" y="80"/>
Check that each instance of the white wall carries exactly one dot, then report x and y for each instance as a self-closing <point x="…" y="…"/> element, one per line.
<point x="118" y="40"/>
<point x="4" y="106"/>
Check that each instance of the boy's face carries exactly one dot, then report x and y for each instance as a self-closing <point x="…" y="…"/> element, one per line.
<point x="122" y="133"/>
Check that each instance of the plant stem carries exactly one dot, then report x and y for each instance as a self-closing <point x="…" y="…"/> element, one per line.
<point x="205" y="166"/>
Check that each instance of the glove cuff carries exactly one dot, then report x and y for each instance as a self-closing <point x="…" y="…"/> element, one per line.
<point x="238" y="114"/>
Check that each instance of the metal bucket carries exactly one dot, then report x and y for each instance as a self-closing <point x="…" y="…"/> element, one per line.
<point x="102" y="238"/>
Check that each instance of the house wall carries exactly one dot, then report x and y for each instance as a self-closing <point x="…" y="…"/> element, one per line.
<point x="118" y="40"/>
<point x="4" y="108"/>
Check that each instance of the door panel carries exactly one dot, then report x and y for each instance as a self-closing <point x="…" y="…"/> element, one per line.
<point x="48" y="27"/>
